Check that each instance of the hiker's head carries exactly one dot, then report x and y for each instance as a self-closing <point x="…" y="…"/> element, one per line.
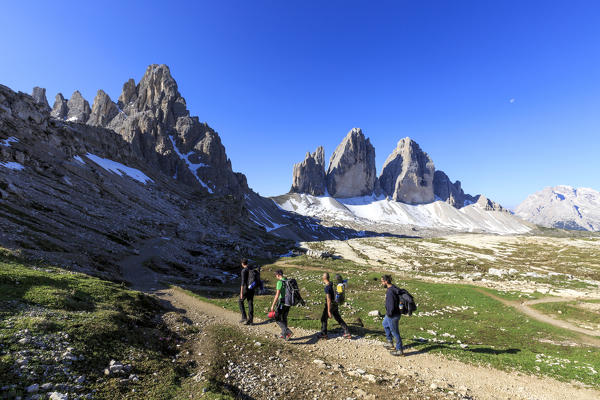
<point x="326" y="277"/>
<point x="279" y="274"/>
<point x="338" y="278"/>
<point x="244" y="262"/>
<point x="386" y="280"/>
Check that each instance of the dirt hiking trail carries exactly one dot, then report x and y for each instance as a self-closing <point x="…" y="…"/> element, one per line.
<point x="480" y="382"/>
<point x="586" y="336"/>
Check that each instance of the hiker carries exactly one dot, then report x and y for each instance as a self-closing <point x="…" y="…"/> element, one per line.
<point x="392" y="316"/>
<point x="246" y="293"/>
<point x="330" y="310"/>
<point x="281" y="310"/>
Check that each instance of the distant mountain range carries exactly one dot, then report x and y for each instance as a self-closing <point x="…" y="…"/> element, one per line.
<point x="562" y="207"/>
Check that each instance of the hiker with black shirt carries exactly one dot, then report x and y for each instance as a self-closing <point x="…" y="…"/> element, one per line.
<point x="246" y="293"/>
<point x="279" y="306"/>
<point x="392" y="316"/>
<point x="331" y="310"/>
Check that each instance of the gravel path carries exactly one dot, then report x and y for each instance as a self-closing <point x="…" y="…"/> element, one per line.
<point x="431" y="370"/>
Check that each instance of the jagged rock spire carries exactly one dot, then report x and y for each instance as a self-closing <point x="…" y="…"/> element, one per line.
<point x="407" y="174"/>
<point x="351" y="170"/>
<point x="39" y="95"/>
<point x="103" y="110"/>
<point x="309" y="175"/>
<point x="60" y="108"/>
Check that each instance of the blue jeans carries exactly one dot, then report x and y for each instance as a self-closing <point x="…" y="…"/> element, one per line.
<point x="390" y="326"/>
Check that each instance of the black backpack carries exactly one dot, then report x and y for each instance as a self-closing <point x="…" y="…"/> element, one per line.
<point x="292" y="293"/>
<point x="406" y="302"/>
<point x="254" y="278"/>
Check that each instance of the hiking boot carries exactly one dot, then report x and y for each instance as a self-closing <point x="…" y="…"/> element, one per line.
<point x="322" y="335"/>
<point x="389" y="345"/>
<point x="288" y="335"/>
<point x="249" y="322"/>
<point x="397" y="353"/>
<point x="243" y="320"/>
<point x="347" y="335"/>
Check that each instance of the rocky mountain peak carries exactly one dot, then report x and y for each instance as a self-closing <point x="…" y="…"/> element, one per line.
<point x="103" y="110"/>
<point x="351" y="171"/>
<point x="407" y="174"/>
<point x="78" y="108"/>
<point x="309" y="175"/>
<point x="60" y="108"/>
<point x="39" y="95"/>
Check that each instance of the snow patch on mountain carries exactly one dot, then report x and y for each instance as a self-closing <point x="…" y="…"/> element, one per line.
<point x="119" y="168"/>
<point x="381" y="211"/>
<point x="563" y="207"/>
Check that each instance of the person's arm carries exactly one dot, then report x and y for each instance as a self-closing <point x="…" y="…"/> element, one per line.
<point x="329" y="306"/>
<point x="275" y="299"/>
<point x="244" y="279"/>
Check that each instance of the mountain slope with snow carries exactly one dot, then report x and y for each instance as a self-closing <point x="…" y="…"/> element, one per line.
<point x="384" y="215"/>
<point x="563" y="207"/>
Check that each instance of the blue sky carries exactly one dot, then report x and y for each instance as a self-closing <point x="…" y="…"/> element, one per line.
<point x="279" y="78"/>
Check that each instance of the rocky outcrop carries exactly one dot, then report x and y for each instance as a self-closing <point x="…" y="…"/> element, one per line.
<point x="451" y="193"/>
<point x="103" y="110"/>
<point x="407" y="174"/>
<point x="152" y="117"/>
<point x="60" y="108"/>
<point x="351" y="171"/>
<point x="488" y="205"/>
<point x="78" y="108"/>
<point x="39" y="95"/>
<point x="309" y="175"/>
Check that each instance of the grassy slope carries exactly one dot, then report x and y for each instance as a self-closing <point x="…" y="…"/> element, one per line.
<point x="98" y="320"/>
<point x="495" y="334"/>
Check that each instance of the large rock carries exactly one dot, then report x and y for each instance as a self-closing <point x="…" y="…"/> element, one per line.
<point x="60" y="108"/>
<point x="407" y="174"/>
<point x="39" y="95"/>
<point x="351" y="170"/>
<point x="103" y="110"/>
<point x="78" y="108"/>
<point x="309" y="175"/>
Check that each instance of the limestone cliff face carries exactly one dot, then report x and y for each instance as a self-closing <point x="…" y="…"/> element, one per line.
<point x="351" y="171"/>
<point x="309" y="175"/>
<point x="153" y="117"/>
<point x="407" y="174"/>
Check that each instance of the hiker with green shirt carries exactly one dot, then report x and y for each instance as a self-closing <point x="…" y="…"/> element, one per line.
<point x="281" y="310"/>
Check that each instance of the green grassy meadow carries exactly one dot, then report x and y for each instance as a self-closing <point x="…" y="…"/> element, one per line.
<point x="457" y="321"/>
